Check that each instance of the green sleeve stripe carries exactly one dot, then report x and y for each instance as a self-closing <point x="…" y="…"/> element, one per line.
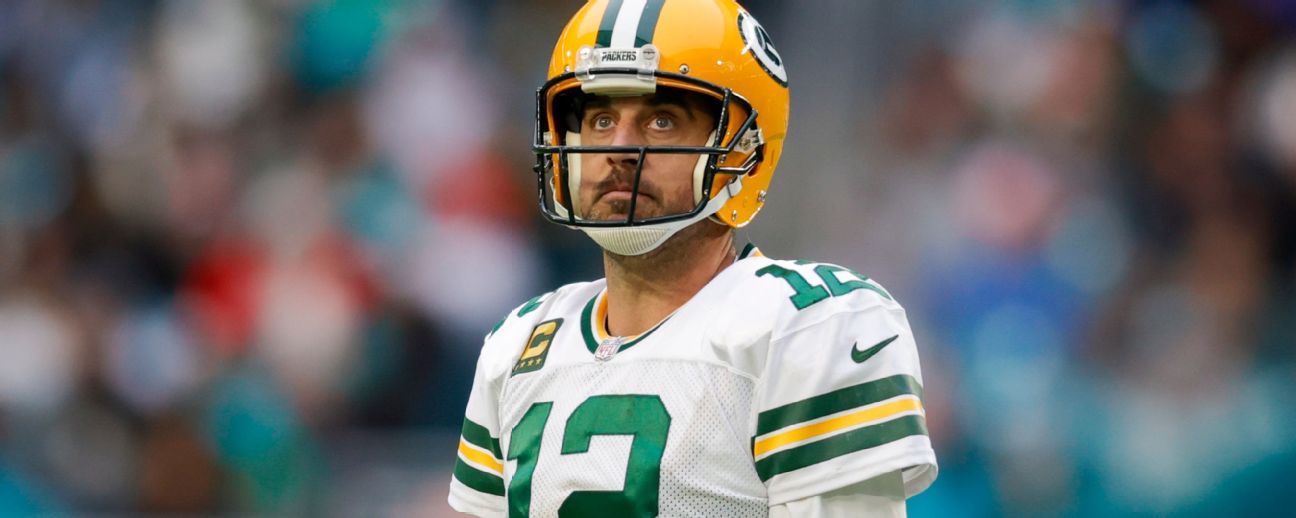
<point x="477" y="479"/>
<point x="477" y="435"/>
<point x="838" y="445"/>
<point x="837" y="401"/>
<point x="522" y="310"/>
<point x="496" y="327"/>
<point x="531" y="305"/>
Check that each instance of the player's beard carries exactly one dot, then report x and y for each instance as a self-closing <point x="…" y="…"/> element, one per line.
<point x="648" y="194"/>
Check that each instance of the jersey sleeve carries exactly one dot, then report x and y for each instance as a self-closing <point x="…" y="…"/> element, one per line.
<point x="839" y="400"/>
<point x="879" y="497"/>
<point x="478" y="484"/>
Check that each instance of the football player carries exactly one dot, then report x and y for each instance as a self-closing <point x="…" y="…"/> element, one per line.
<point x="694" y="379"/>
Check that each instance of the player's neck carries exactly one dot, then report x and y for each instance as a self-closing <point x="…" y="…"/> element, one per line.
<point x="643" y="290"/>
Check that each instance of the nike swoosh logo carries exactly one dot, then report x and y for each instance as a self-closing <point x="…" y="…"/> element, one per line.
<point x="860" y="356"/>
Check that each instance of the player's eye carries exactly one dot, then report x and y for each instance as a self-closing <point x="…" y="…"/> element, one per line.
<point x="663" y="122"/>
<point x="602" y="122"/>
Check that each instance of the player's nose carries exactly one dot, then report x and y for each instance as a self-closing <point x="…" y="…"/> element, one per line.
<point x="627" y="135"/>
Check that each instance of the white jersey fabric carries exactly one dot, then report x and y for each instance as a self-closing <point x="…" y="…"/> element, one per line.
<point x="778" y="381"/>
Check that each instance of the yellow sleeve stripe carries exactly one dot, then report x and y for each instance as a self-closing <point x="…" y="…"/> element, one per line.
<point x="878" y="413"/>
<point x="479" y="457"/>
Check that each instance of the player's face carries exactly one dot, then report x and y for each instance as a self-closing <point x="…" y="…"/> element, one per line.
<point x="666" y="184"/>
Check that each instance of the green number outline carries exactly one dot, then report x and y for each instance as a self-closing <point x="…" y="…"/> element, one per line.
<point x="642" y="416"/>
<point x="524" y="446"/>
<point x="806" y="294"/>
<point x="645" y="418"/>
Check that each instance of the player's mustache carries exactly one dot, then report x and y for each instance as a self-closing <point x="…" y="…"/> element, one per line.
<point x="622" y="179"/>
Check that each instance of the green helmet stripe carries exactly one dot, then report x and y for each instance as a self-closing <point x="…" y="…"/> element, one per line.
<point x="608" y="22"/>
<point x="648" y="22"/>
<point x="637" y="15"/>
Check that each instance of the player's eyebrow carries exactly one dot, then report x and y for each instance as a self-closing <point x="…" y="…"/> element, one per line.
<point x="675" y="100"/>
<point x="657" y="100"/>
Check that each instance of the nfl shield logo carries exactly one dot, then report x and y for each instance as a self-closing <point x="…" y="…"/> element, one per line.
<point x="608" y="348"/>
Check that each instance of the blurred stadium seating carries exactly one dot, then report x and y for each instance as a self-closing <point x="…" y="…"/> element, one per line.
<point x="248" y="249"/>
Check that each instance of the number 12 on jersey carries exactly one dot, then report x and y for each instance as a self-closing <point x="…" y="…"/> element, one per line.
<point x="642" y="416"/>
<point x="807" y="294"/>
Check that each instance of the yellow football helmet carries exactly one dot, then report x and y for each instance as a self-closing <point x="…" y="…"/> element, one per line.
<point x="634" y="47"/>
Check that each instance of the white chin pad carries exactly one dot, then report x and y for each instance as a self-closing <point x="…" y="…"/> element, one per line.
<point x="642" y="239"/>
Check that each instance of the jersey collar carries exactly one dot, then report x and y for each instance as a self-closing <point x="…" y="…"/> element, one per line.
<point x="594" y="316"/>
<point x="594" y="324"/>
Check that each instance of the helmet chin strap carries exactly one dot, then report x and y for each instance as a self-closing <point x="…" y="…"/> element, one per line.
<point x="641" y="239"/>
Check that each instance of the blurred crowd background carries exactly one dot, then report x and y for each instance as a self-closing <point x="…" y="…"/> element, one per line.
<point x="248" y="249"/>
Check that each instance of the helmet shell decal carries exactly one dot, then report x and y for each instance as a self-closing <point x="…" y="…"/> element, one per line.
<point x="762" y="47"/>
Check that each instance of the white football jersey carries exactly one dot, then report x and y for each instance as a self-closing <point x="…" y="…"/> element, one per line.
<point x="778" y="381"/>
